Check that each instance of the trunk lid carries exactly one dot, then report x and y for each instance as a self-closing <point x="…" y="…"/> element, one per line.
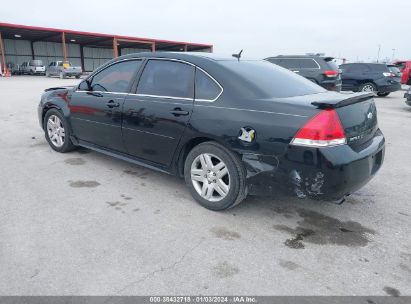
<point x="358" y="115"/>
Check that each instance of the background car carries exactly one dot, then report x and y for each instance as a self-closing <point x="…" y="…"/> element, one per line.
<point x="319" y="69"/>
<point x="63" y="69"/>
<point x="369" y="77"/>
<point x="14" y="68"/>
<point x="407" y="96"/>
<point x="405" y="68"/>
<point x="229" y="127"/>
<point x="395" y="71"/>
<point x="33" y="67"/>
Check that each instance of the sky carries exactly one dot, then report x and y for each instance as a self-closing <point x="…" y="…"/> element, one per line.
<point x="343" y="29"/>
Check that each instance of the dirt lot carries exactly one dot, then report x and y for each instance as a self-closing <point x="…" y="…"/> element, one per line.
<point x="85" y="223"/>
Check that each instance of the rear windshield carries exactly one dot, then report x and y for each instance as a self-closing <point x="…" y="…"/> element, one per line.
<point x="36" y="63"/>
<point x="273" y="80"/>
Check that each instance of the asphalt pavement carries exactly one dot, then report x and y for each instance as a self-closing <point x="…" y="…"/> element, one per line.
<point x="83" y="223"/>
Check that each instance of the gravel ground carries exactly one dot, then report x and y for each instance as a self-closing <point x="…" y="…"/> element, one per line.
<point x="85" y="223"/>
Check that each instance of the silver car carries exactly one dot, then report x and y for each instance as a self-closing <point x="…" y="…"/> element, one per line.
<point x="33" y="67"/>
<point x="63" y="70"/>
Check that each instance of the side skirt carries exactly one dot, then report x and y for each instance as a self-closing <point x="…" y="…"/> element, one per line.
<point x="120" y="155"/>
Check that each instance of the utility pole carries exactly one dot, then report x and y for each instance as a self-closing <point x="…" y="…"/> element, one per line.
<point x="393" y="54"/>
<point x="378" y="55"/>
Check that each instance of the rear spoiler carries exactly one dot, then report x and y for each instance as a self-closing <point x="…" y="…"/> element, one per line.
<point x="342" y="102"/>
<point x="58" y="88"/>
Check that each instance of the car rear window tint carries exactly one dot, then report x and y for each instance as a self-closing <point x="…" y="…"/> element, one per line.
<point x="115" y="78"/>
<point x="308" y="63"/>
<point x="272" y="80"/>
<point x="379" y="67"/>
<point x="167" y="78"/>
<point x="290" y="63"/>
<point x="205" y="87"/>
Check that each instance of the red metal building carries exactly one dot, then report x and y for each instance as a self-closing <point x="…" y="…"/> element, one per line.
<point x="20" y="43"/>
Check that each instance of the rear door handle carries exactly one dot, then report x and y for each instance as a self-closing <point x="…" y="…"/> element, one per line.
<point x="179" y="112"/>
<point x="112" y="104"/>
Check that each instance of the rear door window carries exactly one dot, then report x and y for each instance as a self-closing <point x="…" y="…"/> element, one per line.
<point x="166" y="78"/>
<point x="205" y="87"/>
<point x="115" y="78"/>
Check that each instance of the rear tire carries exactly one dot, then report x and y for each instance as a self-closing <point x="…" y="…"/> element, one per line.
<point x="367" y="87"/>
<point x="57" y="132"/>
<point x="215" y="176"/>
<point x="383" y="94"/>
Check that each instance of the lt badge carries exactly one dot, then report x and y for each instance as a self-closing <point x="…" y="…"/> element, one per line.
<point x="247" y="134"/>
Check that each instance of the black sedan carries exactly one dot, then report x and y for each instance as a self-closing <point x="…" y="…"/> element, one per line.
<point x="230" y="127"/>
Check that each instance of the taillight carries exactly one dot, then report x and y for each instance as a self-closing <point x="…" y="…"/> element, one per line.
<point x="323" y="130"/>
<point x="387" y="74"/>
<point x="331" y="73"/>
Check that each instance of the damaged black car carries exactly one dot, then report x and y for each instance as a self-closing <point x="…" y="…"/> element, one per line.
<point x="231" y="127"/>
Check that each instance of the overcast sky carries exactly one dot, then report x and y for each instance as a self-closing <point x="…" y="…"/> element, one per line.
<point x="351" y="28"/>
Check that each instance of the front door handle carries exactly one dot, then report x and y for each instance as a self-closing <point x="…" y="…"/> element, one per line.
<point x="179" y="112"/>
<point x="112" y="104"/>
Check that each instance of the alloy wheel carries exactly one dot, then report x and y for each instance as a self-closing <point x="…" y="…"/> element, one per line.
<point x="368" y="88"/>
<point x="55" y="131"/>
<point x="210" y="177"/>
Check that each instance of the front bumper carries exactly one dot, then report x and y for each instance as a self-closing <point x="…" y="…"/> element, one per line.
<point x="318" y="173"/>
<point x="392" y="87"/>
<point x="407" y="97"/>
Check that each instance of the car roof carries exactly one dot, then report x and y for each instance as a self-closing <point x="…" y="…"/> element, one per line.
<point x="181" y="55"/>
<point x="303" y="56"/>
<point x="368" y="63"/>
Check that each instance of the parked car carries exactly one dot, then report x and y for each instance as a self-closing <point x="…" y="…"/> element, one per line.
<point x="229" y="127"/>
<point x="407" y="96"/>
<point x="63" y="70"/>
<point x="319" y="69"/>
<point x="405" y="68"/>
<point x="369" y="77"/>
<point x="14" y="68"/>
<point x="33" y="67"/>
<point x="396" y="73"/>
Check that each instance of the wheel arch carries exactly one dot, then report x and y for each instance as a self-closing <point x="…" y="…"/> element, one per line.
<point x="188" y="145"/>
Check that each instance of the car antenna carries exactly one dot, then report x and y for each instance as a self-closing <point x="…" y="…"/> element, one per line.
<point x="238" y="56"/>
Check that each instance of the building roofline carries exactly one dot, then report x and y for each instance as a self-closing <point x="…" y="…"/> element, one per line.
<point x="74" y="32"/>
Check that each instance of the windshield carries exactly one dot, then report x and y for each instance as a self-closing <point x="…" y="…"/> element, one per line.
<point x="272" y="80"/>
<point x="36" y="63"/>
<point x="394" y="69"/>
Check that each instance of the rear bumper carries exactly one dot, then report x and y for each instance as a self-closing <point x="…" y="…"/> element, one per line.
<point x="318" y="173"/>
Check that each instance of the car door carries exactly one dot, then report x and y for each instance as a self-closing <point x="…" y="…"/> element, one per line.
<point x="352" y="76"/>
<point x="154" y="119"/>
<point x="96" y="105"/>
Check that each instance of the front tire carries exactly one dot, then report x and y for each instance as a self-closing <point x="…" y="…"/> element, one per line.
<point x="383" y="94"/>
<point x="215" y="176"/>
<point x="57" y="132"/>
